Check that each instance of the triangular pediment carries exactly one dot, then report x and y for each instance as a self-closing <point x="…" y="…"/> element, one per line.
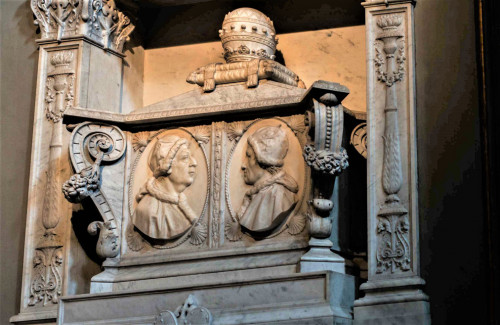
<point x="228" y="95"/>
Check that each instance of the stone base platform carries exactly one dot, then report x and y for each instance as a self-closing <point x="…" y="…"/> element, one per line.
<point x="303" y="298"/>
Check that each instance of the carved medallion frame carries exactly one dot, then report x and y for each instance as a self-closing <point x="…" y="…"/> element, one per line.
<point x="296" y="221"/>
<point x="197" y="233"/>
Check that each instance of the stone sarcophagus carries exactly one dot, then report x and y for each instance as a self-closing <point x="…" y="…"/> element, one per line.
<point x="211" y="207"/>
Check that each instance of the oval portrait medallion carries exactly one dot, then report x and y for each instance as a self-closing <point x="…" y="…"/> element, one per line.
<point x="266" y="176"/>
<point x="169" y="187"/>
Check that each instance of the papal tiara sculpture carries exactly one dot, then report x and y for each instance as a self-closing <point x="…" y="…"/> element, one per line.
<point x="249" y="42"/>
<point x="248" y="34"/>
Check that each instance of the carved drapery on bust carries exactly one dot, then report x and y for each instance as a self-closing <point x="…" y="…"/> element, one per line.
<point x="273" y="191"/>
<point x="169" y="168"/>
<point x="265" y="178"/>
<point x="163" y="211"/>
<point x="223" y="199"/>
<point x="99" y="20"/>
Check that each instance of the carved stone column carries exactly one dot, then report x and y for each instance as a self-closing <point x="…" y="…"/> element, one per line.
<point x="393" y="293"/>
<point x="80" y="64"/>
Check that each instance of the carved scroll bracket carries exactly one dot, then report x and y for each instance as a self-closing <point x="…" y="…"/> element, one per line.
<point x="93" y="144"/>
<point x="327" y="159"/>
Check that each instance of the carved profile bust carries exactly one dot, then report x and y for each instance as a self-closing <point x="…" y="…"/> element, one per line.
<point x="273" y="192"/>
<point x="162" y="211"/>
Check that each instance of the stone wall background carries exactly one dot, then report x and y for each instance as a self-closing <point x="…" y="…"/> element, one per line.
<point x="18" y="70"/>
<point x="453" y="234"/>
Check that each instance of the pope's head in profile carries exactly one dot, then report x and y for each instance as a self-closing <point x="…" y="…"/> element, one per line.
<point x="162" y="211"/>
<point x="273" y="192"/>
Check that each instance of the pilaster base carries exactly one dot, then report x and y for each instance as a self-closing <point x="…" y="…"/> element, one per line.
<point x="402" y="303"/>
<point x="321" y="258"/>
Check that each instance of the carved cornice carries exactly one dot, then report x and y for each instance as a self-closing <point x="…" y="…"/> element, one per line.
<point x="99" y="20"/>
<point x="387" y="3"/>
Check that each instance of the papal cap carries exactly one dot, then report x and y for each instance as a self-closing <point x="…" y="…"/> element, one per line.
<point x="270" y="145"/>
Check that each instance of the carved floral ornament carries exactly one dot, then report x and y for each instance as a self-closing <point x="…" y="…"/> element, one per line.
<point x="393" y="227"/>
<point x="100" y="20"/>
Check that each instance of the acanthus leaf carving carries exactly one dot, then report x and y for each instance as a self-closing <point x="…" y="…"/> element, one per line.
<point x="97" y="19"/>
<point x="393" y="243"/>
<point x="56" y="18"/>
<point x="46" y="283"/>
<point x="111" y="25"/>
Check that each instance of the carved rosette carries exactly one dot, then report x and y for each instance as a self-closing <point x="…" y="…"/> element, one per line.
<point x="359" y="139"/>
<point x="98" y="19"/>
<point x="93" y="144"/>
<point x="393" y="227"/>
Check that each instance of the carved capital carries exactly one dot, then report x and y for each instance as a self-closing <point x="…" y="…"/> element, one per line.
<point x="100" y="20"/>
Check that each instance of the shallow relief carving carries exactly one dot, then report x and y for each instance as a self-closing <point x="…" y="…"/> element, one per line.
<point x="393" y="252"/>
<point x="46" y="282"/>
<point x="265" y="178"/>
<point x="169" y="176"/>
<point x="190" y="312"/>
<point x="100" y="20"/>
